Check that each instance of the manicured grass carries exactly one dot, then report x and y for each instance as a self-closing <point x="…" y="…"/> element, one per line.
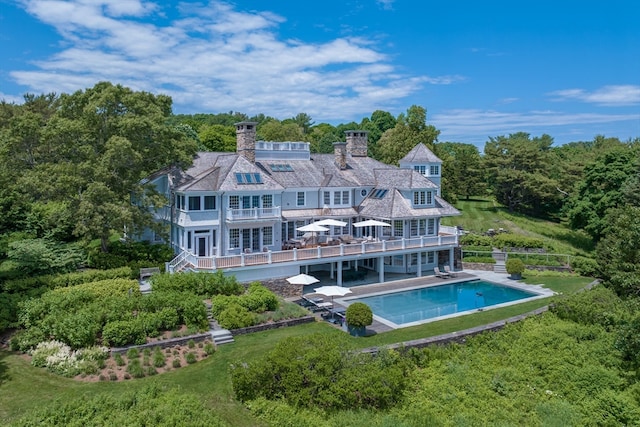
<point x="481" y="214"/>
<point x="24" y="388"/>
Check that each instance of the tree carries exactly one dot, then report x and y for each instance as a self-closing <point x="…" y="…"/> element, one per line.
<point x="218" y="138"/>
<point x="603" y="187"/>
<point x="461" y="169"/>
<point x="274" y="130"/>
<point x="88" y="153"/>
<point x="518" y="171"/>
<point x="411" y="129"/>
<point x="618" y="252"/>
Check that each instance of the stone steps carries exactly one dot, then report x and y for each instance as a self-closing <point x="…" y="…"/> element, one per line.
<point x="220" y="336"/>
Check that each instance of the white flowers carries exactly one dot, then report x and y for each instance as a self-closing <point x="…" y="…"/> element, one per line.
<point x="58" y="357"/>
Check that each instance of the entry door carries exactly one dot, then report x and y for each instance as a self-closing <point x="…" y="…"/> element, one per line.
<point x="203" y="244"/>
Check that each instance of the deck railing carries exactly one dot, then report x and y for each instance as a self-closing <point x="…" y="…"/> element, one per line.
<point x="253" y="213"/>
<point x="384" y="247"/>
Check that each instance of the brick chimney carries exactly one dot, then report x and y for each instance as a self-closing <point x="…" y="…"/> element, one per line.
<point x="357" y="142"/>
<point x="246" y="140"/>
<point x="340" y="152"/>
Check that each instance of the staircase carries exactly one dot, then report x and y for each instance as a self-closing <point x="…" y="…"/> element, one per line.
<point x="499" y="266"/>
<point x="220" y="336"/>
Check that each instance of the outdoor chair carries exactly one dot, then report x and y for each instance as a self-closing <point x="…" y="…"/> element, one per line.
<point x="448" y="271"/>
<point x="440" y="274"/>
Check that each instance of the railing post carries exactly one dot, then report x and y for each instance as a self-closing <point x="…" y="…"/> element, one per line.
<point x="213" y="262"/>
<point x="269" y="257"/>
<point x="364" y="251"/>
<point x="341" y="249"/>
<point x="295" y="254"/>
<point x="319" y="251"/>
<point x="241" y="259"/>
<point x="404" y="243"/>
<point x="384" y="246"/>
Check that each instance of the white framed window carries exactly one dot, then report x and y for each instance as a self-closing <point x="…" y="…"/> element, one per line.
<point x="345" y="197"/>
<point x="267" y="236"/>
<point x="422" y="169"/>
<point x="429" y="198"/>
<point x="234" y="202"/>
<point x="431" y="257"/>
<point x="419" y="198"/>
<point x="194" y="203"/>
<point x="267" y="201"/>
<point x="327" y="198"/>
<point x="431" y="226"/>
<point x="414" y="228"/>
<point x="336" y="197"/>
<point x="234" y="238"/>
<point x="434" y="170"/>
<point x="188" y="240"/>
<point x="398" y="228"/>
<point x="300" y="199"/>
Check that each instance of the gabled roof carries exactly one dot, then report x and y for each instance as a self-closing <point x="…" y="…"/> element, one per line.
<point x="394" y="206"/>
<point x="216" y="171"/>
<point x="420" y="154"/>
<point x="402" y="179"/>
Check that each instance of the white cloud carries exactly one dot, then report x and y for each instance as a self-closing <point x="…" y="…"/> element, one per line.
<point x="215" y="58"/>
<point x="472" y="125"/>
<point x="386" y="4"/>
<point x="620" y="95"/>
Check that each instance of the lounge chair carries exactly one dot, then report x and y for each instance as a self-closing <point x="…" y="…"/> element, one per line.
<point x="440" y="274"/>
<point x="448" y="271"/>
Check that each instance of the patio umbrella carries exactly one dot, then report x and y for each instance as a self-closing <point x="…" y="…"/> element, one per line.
<point x="332" y="291"/>
<point x="371" y="223"/>
<point x="330" y="222"/>
<point x="302" y="279"/>
<point x="313" y="228"/>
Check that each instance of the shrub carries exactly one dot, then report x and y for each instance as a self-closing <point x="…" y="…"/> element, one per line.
<point x="259" y="299"/>
<point x="118" y="359"/>
<point x="191" y="357"/>
<point x="236" y="316"/>
<point x="176" y="363"/>
<point x="599" y="306"/>
<point x="201" y="284"/>
<point x="133" y="353"/>
<point x="584" y="266"/>
<point x="359" y="315"/>
<point x="159" y="359"/>
<point x="135" y="368"/>
<point x="123" y="332"/>
<point x="113" y="376"/>
<point x="209" y="348"/>
<point x="517" y="241"/>
<point x="220" y="303"/>
<point x="514" y="266"/>
<point x="150" y="370"/>
<point x="191" y="344"/>
<point x="480" y="259"/>
<point x="476" y="240"/>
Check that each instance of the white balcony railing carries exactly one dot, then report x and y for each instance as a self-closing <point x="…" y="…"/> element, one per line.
<point x="380" y="248"/>
<point x="253" y="214"/>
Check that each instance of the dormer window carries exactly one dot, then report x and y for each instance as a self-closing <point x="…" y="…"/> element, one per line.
<point x="422" y="198"/>
<point x="421" y="169"/>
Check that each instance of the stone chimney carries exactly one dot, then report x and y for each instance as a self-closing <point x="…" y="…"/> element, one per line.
<point x="340" y="152"/>
<point x="246" y="140"/>
<point x="357" y="142"/>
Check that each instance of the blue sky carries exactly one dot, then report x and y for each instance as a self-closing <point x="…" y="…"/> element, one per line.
<point x="567" y="68"/>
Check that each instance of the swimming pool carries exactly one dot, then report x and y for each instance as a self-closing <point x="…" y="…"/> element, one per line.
<point x="415" y="306"/>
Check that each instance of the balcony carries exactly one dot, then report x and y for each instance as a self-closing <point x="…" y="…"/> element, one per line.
<point x="253" y="214"/>
<point x="315" y="254"/>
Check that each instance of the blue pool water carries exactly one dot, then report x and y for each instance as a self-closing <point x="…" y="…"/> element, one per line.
<point x="427" y="303"/>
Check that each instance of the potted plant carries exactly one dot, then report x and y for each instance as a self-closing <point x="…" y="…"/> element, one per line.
<point x="515" y="267"/>
<point x="358" y="316"/>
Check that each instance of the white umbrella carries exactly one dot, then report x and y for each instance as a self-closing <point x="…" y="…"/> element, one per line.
<point x="313" y="227"/>
<point x="330" y="221"/>
<point x="332" y="291"/>
<point x="302" y="279"/>
<point x="371" y="223"/>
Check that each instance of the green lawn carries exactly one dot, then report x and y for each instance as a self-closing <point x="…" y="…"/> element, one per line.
<point x="24" y="388"/>
<point x="481" y="214"/>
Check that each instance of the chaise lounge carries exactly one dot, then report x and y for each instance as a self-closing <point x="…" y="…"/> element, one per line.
<point x="441" y="274"/>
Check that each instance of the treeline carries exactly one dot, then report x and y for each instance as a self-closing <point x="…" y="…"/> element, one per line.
<point x="71" y="164"/>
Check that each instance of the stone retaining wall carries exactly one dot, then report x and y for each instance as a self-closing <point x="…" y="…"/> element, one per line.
<point x="282" y="288"/>
<point x="477" y="266"/>
<point x="274" y="325"/>
<point x="171" y="342"/>
<point x="459" y="336"/>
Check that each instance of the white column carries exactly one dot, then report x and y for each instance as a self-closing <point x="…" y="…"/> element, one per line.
<point x="381" y="269"/>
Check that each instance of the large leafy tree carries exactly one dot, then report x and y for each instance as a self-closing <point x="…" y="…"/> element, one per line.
<point x="618" y="252"/>
<point x="518" y="169"/>
<point x="461" y="169"/>
<point x="603" y="187"/>
<point x="83" y="157"/>
<point x="218" y="137"/>
<point x="410" y="129"/>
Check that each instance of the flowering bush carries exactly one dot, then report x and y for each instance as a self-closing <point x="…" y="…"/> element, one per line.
<point x="58" y="358"/>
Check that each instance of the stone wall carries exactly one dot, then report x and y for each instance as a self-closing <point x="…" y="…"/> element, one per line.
<point x="477" y="266"/>
<point x="283" y="288"/>
<point x="171" y="342"/>
<point x="274" y="325"/>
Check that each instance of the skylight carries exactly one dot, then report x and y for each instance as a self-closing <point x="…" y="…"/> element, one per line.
<point x="248" y="178"/>
<point x="379" y="193"/>
<point x="275" y="167"/>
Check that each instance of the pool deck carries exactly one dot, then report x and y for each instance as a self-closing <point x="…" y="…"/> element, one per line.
<point x="420" y="282"/>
